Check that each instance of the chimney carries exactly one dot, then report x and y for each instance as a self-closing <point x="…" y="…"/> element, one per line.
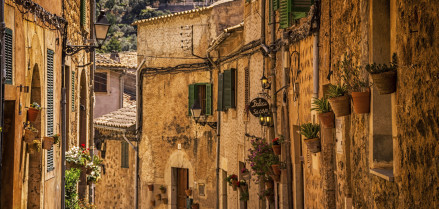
<point x="115" y="56"/>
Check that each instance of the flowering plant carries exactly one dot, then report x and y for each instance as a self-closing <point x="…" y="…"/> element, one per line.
<point x="231" y="178"/>
<point x="35" y="106"/>
<point x="244" y="170"/>
<point x="94" y="176"/>
<point x="94" y="164"/>
<point x="56" y="138"/>
<point x="278" y="140"/>
<point x="242" y="183"/>
<point x="78" y="155"/>
<point x="236" y="183"/>
<point x="261" y="157"/>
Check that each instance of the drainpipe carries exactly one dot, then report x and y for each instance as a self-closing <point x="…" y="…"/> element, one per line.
<point x="139" y="84"/>
<point x="92" y="72"/>
<point x="2" y="80"/>
<point x="63" y="119"/>
<point x="136" y="165"/>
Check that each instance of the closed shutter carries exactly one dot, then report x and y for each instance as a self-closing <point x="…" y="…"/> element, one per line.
<point x="275" y="5"/>
<point x="191" y="97"/>
<point x="220" y="92"/>
<point x="229" y="89"/>
<point x="301" y="8"/>
<point x="9" y="55"/>
<point x="208" y="99"/>
<point x="73" y="91"/>
<point x="285" y="13"/>
<point x="49" y="113"/>
<point x="124" y="155"/>
<point x="83" y="14"/>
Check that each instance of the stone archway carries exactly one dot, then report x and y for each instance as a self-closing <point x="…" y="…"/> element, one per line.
<point x="82" y="191"/>
<point x="35" y="158"/>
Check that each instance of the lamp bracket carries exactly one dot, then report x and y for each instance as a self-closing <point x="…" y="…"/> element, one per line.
<point x="212" y="125"/>
<point x="73" y="49"/>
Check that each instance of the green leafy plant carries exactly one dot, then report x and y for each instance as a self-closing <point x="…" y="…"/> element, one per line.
<point x="351" y="74"/>
<point x="381" y="68"/>
<point x="309" y="130"/>
<point x="244" y="196"/>
<point x="261" y="158"/>
<point x="35" y="106"/>
<point x="71" y="181"/>
<point x="321" y="105"/>
<point x="56" y="138"/>
<point x="336" y="91"/>
<point x="36" y="145"/>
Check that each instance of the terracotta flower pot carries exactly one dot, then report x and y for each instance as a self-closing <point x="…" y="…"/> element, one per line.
<point x="276" y="169"/>
<point x="47" y="143"/>
<point x="165" y="200"/>
<point x="327" y="119"/>
<point x="361" y="102"/>
<point x="150" y="187"/>
<point x="32" y="114"/>
<point x="246" y="176"/>
<point x="313" y="145"/>
<point x="195" y="206"/>
<point x="188" y="192"/>
<point x="277" y="149"/>
<point x="385" y="82"/>
<point x="29" y="136"/>
<point x="340" y="105"/>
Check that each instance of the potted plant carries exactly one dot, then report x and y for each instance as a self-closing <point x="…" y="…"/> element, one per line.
<point x="245" y="173"/>
<point x="244" y="196"/>
<point x="35" y="146"/>
<point x="274" y="162"/>
<point x="383" y="76"/>
<point x="326" y="116"/>
<point x="56" y="139"/>
<point x="243" y="185"/>
<point x="162" y="189"/>
<point x="150" y="187"/>
<point x="277" y="145"/>
<point x="94" y="176"/>
<point x="339" y="100"/>
<point x="259" y="157"/>
<point x="358" y="87"/>
<point x="47" y="143"/>
<point x="235" y="185"/>
<point x="311" y="133"/>
<point x="188" y="192"/>
<point x="77" y="157"/>
<point x="30" y="133"/>
<point x="32" y="112"/>
<point x="233" y="181"/>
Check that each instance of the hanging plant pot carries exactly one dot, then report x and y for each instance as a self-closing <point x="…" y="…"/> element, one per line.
<point x="276" y="169"/>
<point x="327" y="119"/>
<point x="165" y="200"/>
<point x="150" y="187"/>
<point x="385" y="82"/>
<point x="188" y="192"/>
<point x="340" y="105"/>
<point x="313" y="145"/>
<point x="246" y="176"/>
<point x="47" y="143"/>
<point x="361" y="102"/>
<point x="30" y="135"/>
<point x="32" y="114"/>
<point x="276" y="149"/>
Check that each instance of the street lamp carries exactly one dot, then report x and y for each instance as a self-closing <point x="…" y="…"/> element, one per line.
<point x="196" y="114"/>
<point x="101" y="28"/>
<point x="264" y="82"/>
<point x="266" y="120"/>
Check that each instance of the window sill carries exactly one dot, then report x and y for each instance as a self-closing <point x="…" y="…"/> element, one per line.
<point x="385" y="173"/>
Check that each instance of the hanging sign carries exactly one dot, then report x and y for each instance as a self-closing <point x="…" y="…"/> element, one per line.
<point x="259" y="106"/>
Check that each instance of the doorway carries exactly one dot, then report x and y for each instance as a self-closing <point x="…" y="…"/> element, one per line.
<point x="182" y="185"/>
<point x="8" y="157"/>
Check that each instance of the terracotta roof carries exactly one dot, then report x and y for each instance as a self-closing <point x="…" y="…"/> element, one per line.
<point x="181" y="13"/>
<point x="126" y="60"/>
<point x="121" y="118"/>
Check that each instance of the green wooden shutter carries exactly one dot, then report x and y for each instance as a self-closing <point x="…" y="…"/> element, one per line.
<point x="219" y="104"/>
<point x="285" y="13"/>
<point x="191" y="98"/>
<point x="275" y="5"/>
<point x="9" y="55"/>
<point x="124" y="155"/>
<point x="49" y="108"/>
<point x="208" y="99"/>
<point x="301" y="8"/>
<point x="83" y="9"/>
<point x="73" y="91"/>
<point x="229" y="89"/>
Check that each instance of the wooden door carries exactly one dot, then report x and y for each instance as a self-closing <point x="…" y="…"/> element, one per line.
<point x="182" y="185"/>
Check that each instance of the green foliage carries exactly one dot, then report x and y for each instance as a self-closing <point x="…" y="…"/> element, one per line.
<point x="35" y="106"/>
<point x="351" y="74"/>
<point x="244" y="196"/>
<point x="381" y="68"/>
<point x="72" y="178"/>
<point x="321" y="105"/>
<point x="261" y="158"/>
<point x="112" y="46"/>
<point x="309" y="130"/>
<point x="336" y="91"/>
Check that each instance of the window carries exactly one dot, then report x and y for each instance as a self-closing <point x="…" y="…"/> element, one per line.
<point x="292" y="9"/>
<point x="201" y="93"/>
<point x="49" y="117"/>
<point x="100" y="82"/>
<point x="9" y="55"/>
<point x="226" y="90"/>
<point x="124" y="154"/>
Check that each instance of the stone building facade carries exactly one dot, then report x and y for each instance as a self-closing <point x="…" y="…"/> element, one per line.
<point x="34" y="46"/>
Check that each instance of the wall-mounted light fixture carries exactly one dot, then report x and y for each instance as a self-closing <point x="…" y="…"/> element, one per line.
<point x="101" y="28"/>
<point x="196" y="114"/>
<point x="266" y="120"/>
<point x="264" y="82"/>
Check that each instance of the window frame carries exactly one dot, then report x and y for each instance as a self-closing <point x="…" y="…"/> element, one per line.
<point x="206" y="109"/>
<point x="106" y="82"/>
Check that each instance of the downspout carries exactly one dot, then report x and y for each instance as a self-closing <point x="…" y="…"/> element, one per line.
<point x="139" y="84"/>
<point x="63" y="118"/>
<point x="92" y="72"/>
<point x="2" y="80"/>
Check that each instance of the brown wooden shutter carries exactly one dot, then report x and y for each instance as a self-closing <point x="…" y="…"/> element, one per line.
<point x="219" y="105"/>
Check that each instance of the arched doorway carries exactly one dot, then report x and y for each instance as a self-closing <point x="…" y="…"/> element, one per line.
<point x="83" y="129"/>
<point x="35" y="158"/>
